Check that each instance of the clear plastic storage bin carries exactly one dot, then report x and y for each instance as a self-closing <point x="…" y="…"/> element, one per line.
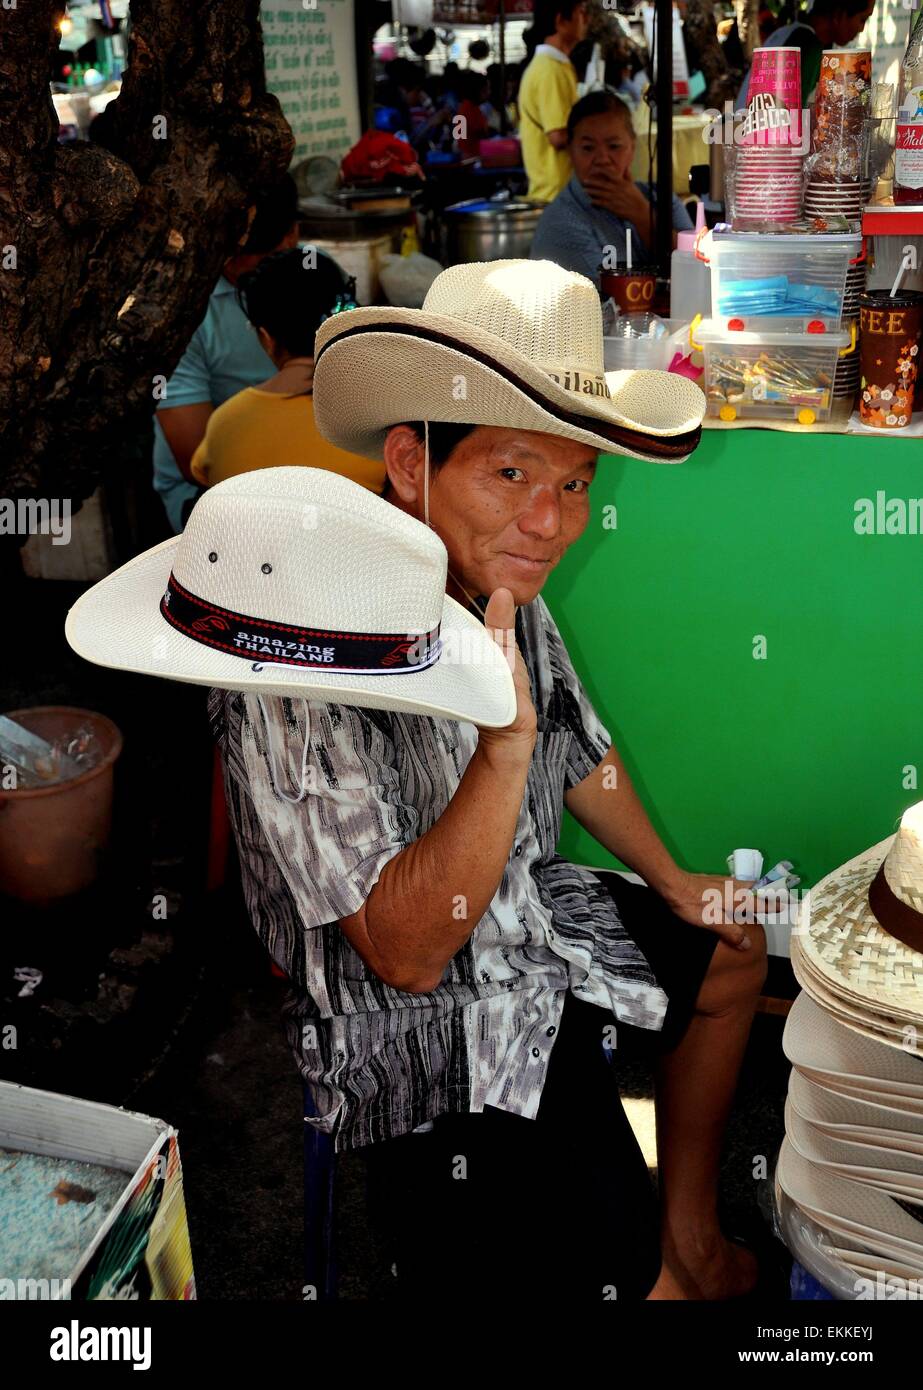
<point x="757" y="275"/>
<point x="770" y="374"/>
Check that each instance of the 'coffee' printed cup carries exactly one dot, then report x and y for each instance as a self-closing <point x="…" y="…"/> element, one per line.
<point x="773" y="99"/>
<point x="632" y="290"/>
<point x="889" y="346"/>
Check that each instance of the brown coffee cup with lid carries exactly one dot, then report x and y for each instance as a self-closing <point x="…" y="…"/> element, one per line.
<point x="631" y="290"/>
<point x="889" y="350"/>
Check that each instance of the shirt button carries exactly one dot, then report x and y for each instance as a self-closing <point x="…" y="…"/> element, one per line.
<point x="551" y="1032"/>
<point x="518" y="851"/>
<point x="535" y="1052"/>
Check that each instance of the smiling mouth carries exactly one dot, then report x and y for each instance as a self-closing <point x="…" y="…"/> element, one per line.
<point x="529" y="560"/>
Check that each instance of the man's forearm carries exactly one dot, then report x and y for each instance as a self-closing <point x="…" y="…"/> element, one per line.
<point x="607" y="805"/>
<point x="431" y="896"/>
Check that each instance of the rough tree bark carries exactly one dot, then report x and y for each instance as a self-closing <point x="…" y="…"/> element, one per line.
<point x="118" y="243"/>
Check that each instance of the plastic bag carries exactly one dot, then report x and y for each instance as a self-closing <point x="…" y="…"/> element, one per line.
<point x="406" y="279"/>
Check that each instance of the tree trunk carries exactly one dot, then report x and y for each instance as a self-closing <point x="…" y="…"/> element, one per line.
<point x="109" y="250"/>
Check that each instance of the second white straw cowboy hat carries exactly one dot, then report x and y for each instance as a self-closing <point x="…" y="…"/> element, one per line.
<point x="510" y="343"/>
<point x="298" y="582"/>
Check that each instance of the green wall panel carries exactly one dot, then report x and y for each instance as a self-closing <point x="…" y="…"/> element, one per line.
<point x="802" y="754"/>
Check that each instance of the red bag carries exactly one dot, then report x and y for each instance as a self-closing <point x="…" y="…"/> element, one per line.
<point x="378" y="154"/>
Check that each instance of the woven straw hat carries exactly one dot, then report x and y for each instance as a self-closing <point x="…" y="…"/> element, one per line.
<point x="859" y="946"/>
<point x="511" y="343"/>
<point x="298" y="582"/>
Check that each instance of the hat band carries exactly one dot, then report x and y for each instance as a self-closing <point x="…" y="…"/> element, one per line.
<point x="654" y="445"/>
<point x="903" y="922"/>
<point x="284" y="644"/>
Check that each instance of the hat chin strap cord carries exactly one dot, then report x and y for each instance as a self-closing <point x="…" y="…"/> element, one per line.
<point x="270" y="746"/>
<point x="426" y="472"/>
<point x="275" y="778"/>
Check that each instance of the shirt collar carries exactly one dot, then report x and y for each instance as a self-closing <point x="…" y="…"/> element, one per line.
<point x="548" y="51"/>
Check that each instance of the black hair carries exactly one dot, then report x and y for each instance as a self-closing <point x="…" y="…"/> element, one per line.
<point x="472" y="83"/>
<point x="291" y="293"/>
<point x="545" y="19"/>
<point x="828" y="7"/>
<point x="443" y="438"/>
<point x="598" y="103"/>
<point x="276" y="215"/>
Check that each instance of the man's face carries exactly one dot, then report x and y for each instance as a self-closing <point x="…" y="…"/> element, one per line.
<point x="507" y="505"/>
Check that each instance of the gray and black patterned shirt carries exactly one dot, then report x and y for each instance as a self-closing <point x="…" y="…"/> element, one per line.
<point x="380" y="1062"/>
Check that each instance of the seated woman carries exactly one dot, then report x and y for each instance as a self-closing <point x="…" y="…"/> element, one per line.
<point x="602" y="204"/>
<point x="272" y="425"/>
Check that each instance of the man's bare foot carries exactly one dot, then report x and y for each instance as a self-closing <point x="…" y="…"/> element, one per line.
<point x="709" y="1272"/>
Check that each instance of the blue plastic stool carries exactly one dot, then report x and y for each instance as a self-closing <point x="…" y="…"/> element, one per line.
<point x="319" y="1169"/>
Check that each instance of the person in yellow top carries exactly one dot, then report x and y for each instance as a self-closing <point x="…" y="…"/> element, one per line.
<point x="286" y="298"/>
<point x="547" y="92"/>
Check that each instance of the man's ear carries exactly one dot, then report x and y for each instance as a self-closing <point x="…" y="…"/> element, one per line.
<point x="404" y="460"/>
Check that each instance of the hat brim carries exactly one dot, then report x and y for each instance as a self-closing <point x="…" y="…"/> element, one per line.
<point x="845" y="1117"/>
<point x="118" y="624"/>
<point x="431" y="367"/>
<point x="839" y="1204"/>
<point x="872" y="1162"/>
<point x="824" y="1046"/>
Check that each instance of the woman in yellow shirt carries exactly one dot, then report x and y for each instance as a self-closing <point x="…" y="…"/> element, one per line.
<point x="286" y="298"/>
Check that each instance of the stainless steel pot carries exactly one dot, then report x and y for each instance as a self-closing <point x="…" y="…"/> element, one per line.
<point x="480" y="230"/>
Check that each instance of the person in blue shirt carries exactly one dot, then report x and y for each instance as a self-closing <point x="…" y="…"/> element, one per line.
<point x="224" y="356"/>
<point x="601" y="204"/>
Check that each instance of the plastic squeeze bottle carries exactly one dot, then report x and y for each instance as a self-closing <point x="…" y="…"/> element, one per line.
<point x="690" y="277"/>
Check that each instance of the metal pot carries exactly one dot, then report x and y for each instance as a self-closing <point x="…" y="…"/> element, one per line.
<point x="479" y="230"/>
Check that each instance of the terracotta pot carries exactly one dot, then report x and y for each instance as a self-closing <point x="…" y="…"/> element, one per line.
<point x="52" y="839"/>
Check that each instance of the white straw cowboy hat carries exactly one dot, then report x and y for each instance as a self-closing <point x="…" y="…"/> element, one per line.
<point x="511" y="343"/>
<point x="859" y="946"/>
<point x="298" y="582"/>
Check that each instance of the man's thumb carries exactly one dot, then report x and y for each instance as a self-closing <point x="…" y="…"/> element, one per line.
<point x="501" y="610"/>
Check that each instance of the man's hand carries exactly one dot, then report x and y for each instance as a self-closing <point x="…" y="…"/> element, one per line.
<point x="518" y="737"/>
<point x="714" y="902"/>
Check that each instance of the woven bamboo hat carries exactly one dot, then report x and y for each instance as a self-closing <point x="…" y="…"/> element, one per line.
<point x="512" y="343"/>
<point x="859" y="946"/>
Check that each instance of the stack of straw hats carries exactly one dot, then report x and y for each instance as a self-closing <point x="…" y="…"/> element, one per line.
<point x="852" y="1160"/>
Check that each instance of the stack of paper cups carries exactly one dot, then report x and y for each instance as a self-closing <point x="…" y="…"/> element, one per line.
<point x="846" y="381"/>
<point x="836" y="182"/>
<point x="768" y="177"/>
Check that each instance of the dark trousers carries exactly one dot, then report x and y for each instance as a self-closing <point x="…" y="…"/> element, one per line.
<point x="495" y="1207"/>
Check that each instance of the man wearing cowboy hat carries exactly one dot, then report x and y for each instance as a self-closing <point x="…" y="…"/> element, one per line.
<point x="455" y="980"/>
